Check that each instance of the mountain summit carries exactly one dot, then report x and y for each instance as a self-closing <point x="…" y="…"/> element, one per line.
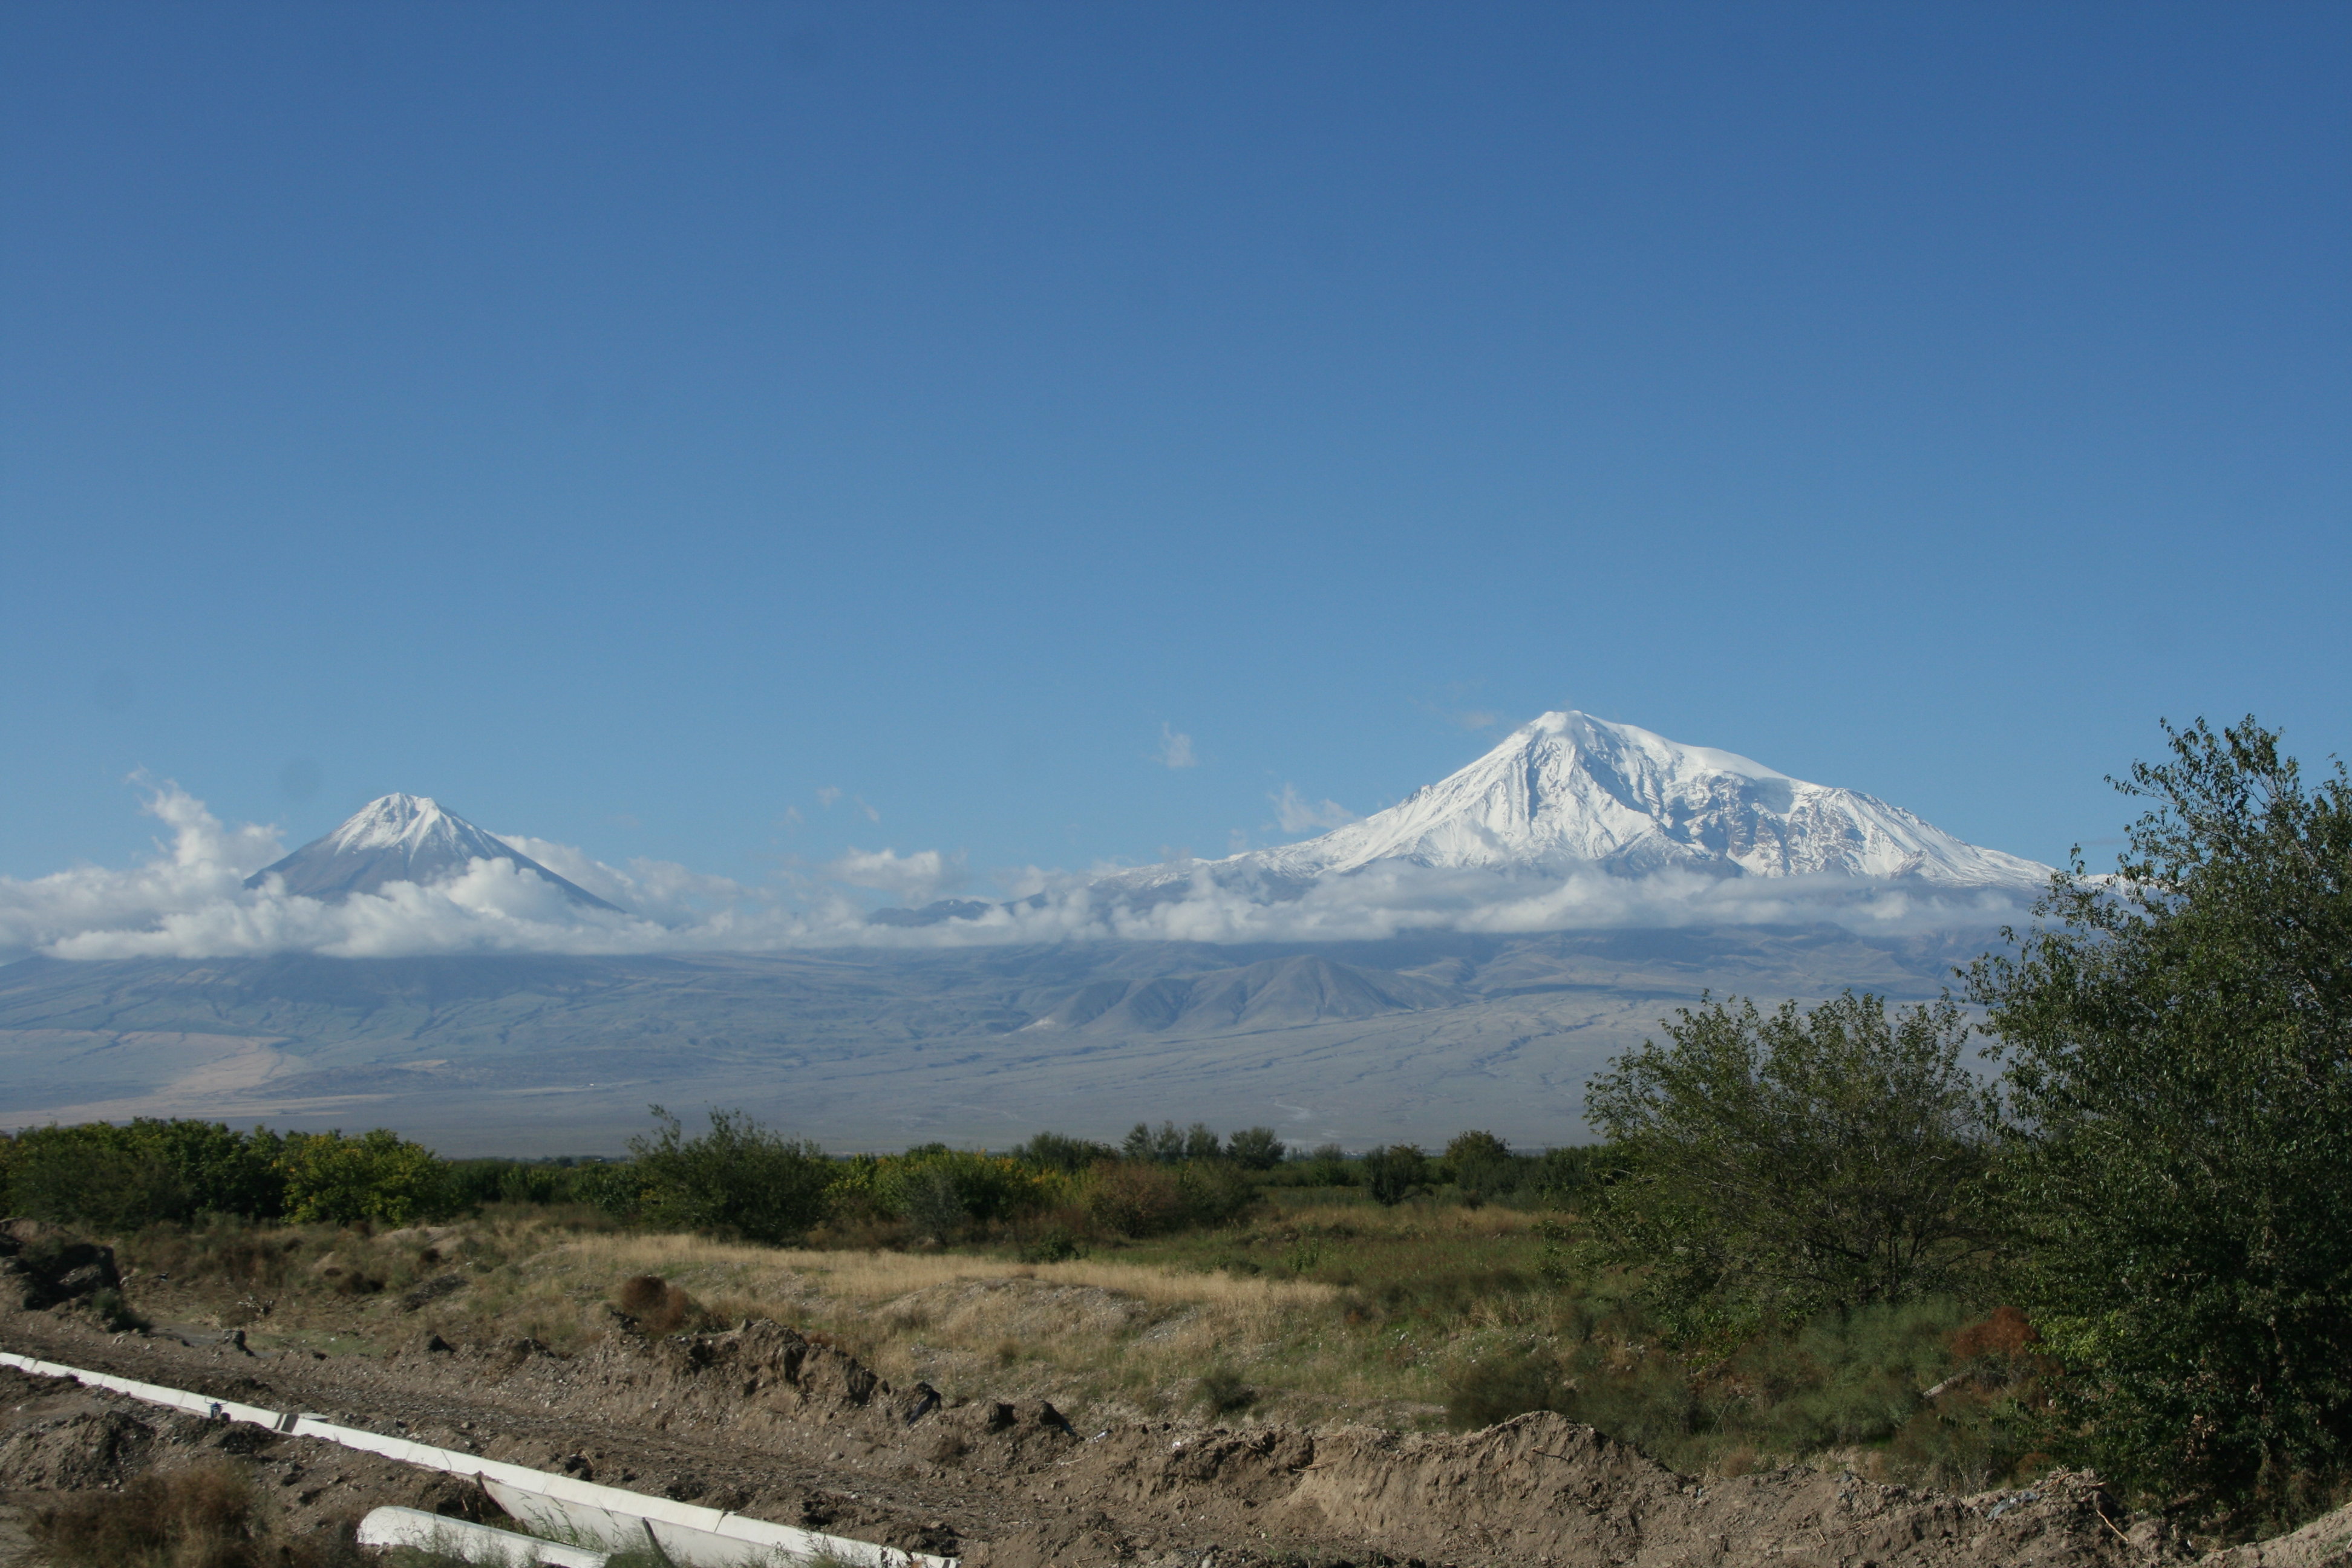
<point x="1569" y="787"/>
<point x="401" y="838"/>
<point x="1569" y="790"/>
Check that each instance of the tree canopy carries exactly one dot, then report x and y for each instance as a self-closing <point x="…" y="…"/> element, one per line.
<point x="2179" y="1042"/>
<point x="1768" y="1166"/>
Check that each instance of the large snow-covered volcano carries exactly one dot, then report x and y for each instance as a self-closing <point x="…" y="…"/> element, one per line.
<point x="1569" y="791"/>
<point x="401" y="838"/>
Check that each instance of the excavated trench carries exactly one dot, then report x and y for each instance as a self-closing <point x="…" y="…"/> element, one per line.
<point x="764" y="1422"/>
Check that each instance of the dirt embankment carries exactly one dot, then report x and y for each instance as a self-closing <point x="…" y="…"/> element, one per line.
<point x="763" y="1420"/>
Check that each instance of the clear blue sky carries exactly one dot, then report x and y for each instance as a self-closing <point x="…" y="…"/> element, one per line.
<point x="625" y="422"/>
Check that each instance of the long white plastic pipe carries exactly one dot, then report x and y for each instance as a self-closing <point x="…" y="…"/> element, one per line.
<point x="474" y="1542"/>
<point x="691" y="1536"/>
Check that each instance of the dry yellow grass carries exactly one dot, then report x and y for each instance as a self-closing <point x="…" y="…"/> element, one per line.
<point x="1109" y="1337"/>
<point x="1083" y="1333"/>
<point x="875" y="1276"/>
<point x="1127" y="1333"/>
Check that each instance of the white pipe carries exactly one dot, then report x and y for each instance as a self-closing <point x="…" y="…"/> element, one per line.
<point x="704" y="1537"/>
<point x="474" y="1542"/>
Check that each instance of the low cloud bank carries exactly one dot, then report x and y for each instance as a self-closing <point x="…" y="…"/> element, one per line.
<point x="188" y="900"/>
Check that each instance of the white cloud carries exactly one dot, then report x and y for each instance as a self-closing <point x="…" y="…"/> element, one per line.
<point x="1176" y="748"/>
<point x="188" y="900"/>
<point x="1298" y="814"/>
<point x="828" y="795"/>
<point x="916" y="878"/>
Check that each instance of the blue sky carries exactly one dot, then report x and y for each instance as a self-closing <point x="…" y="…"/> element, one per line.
<point x="629" y="423"/>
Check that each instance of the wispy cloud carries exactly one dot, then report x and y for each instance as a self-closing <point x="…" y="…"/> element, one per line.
<point x="1294" y="813"/>
<point x="1451" y="703"/>
<point x="1176" y="748"/>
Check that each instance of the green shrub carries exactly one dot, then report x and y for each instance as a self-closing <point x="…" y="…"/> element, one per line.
<point x="1055" y="1245"/>
<point x="378" y="1175"/>
<point x="1216" y="1191"/>
<point x="1326" y="1166"/>
<point x="1498" y="1386"/>
<point x="1053" y="1151"/>
<point x="1772" y="1166"/>
<point x="93" y="1176"/>
<point x="1566" y="1176"/>
<point x="551" y="1183"/>
<point x="1255" y="1149"/>
<point x="1134" y="1199"/>
<point x="1222" y="1392"/>
<point x="1482" y="1167"/>
<point x="117" y="1179"/>
<point x="1395" y="1173"/>
<point x="114" y="1314"/>
<point x="613" y="1188"/>
<point x="940" y="1189"/>
<point x="1169" y="1146"/>
<point x="738" y="1179"/>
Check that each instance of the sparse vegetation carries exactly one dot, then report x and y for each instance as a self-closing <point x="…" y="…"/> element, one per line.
<point x="207" y="1516"/>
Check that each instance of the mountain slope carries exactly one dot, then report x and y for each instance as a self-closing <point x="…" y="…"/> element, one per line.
<point x="401" y="838"/>
<point x="1569" y="790"/>
<point x="1272" y="994"/>
<point x="1408" y="1039"/>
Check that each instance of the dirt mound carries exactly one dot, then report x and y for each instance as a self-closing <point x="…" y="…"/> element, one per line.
<point x="719" y="1378"/>
<point x="2324" y="1542"/>
<point x="41" y="1265"/>
<point x="77" y="1450"/>
<point x="1538" y="1489"/>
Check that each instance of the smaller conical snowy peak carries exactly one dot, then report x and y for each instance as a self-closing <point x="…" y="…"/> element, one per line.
<point x="400" y="838"/>
<point x="1570" y="789"/>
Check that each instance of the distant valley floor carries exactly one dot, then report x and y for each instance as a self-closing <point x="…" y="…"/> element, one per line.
<point x="1357" y="1043"/>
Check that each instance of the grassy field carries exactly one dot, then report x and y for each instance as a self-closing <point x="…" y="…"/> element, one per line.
<point x="1319" y="1305"/>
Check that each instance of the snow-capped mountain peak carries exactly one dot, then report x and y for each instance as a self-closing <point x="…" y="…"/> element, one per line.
<point x="401" y="838"/>
<point x="1569" y="788"/>
<point x="413" y="824"/>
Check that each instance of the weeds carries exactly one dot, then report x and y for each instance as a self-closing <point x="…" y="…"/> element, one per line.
<point x="1907" y="1393"/>
<point x="1222" y="1392"/>
<point x="114" y="1314"/>
<point x="206" y="1516"/>
<point x="656" y="1305"/>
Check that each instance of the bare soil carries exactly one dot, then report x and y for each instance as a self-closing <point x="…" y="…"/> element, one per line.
<point x="779" y="1425"/>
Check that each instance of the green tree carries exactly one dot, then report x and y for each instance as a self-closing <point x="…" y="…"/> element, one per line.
<point x="96" y="1175"/>
<point x="378" y="1175"/>
<point x="1393" y="1173"/>
<point x="738" y="1179"/>
<point x="2178" y="1039"/>
<point x="1483" y="1166"/>
<point x="220" y="1169"/>
<point x="1058" y="1151"/>
<point x="1255" y="1149"/>
<point x="1770" y="1166"/>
